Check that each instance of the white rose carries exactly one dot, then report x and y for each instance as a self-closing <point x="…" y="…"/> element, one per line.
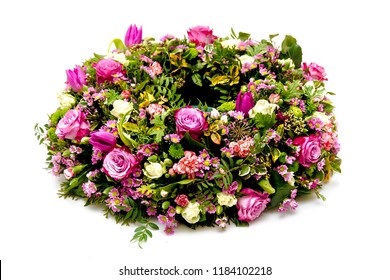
<point x="246" y="59"/>
<point x="154" y="170"/>
<point x="286" y="63"/>
<point x="225" y="199"/>
<point x="230" y="43"/>
<point x="324" y="118"/>
<point x="121" y="107"/>
<point x="66" y="100"/>
<point x="120" y="57"/>
<point x="224" y="119"/>
<point x="191" y="213"/>
<point x="264" y="107"/>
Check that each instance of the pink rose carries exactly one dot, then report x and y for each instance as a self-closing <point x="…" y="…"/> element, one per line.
<point x="106" y="69"/>
<point x="309" y="149"/>
<point x="313" y="72"/>
<point x="190" y="120"/>
<point x="73" y="125"/>
<point x="118" y="164"/>
<point x="201" y="35"/>
<point x="251" y="205"/>
<point x="68" y="173"/>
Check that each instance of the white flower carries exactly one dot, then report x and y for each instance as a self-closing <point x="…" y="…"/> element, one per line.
<point x="324" y="118"/>
<point x="246" y="59"/>
<point x="286" y="63"/>
<point x="163" y="193"/>
<point x="214" y="113"/>
<point x="225" y="199"/>
<point x="121" y="107"/>
<point x="224" y="119"/>
<point x="120" y="57"/>
<point x="66" y="100"/>
<point x="154" y="170"/>
<point x="264" y="107"/>
<point x="191" y="212"/>
<point x="230" y="43"/>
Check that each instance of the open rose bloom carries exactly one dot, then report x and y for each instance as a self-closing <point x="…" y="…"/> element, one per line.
<point x="203" y="131"/>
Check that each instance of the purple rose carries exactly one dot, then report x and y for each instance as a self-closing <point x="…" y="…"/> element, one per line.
<point x="251" y="205"/>
<point x="313" y="72"/>
<point x="106" y="69"/>
<point x="76" y="78"/>
<point x="190" y="120"/>
<point x="133" y="35"/>
<point x="118" y="164"/>
<point x="310" y="149"/>
<point x="102" y="140"/>
<point x="244" y="102"/>
<point x="73" y="125"/>
<point x="201" y="35"/>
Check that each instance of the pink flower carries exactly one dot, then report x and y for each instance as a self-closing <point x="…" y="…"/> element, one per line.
<point x="310" y="150"/>
<point x="133" y="35"/>
<point x="313" y="72"/>
<point x="274" y="98"/>
<point x="154" y="109"/>
<point x="251" y="205"/>
<point x="102" y="140"/>
<point x="242" y="148"/>
<point x="190" y="164"/>
<point x="156" y="68"/>
<point x="73" y="125"/>
<point x="201" y="35"/>
<point x="68" y="173"/>
<point x="182" y="200"/>
<point x="118" y="164"/>
<point x="244" y="102"/>
<point x="106" y="69"/>
<point x="190" y="120"/>
<point x="76" y="78"/>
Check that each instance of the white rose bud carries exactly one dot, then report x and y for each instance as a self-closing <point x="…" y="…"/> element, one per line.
<point x="121" y="107"/>
<point x="225" y="199"/>
<point x="230" y="43"/>
<point x="154" y="170"/>
<point x="66" y="100"/>
<point x="191" y="212"/>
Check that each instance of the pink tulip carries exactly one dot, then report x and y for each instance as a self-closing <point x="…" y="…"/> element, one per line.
<point x="133" y="35"/>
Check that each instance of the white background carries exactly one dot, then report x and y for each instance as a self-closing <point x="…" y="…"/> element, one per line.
<point x="346" y="237"/>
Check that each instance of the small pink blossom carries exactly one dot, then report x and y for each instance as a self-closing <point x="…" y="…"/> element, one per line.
<point x="154" y="109"/>
<point x="182" y="200"/>
<point x="156" y="68"/>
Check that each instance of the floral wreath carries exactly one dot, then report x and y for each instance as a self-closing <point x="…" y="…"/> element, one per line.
<point x="201" y="131"/>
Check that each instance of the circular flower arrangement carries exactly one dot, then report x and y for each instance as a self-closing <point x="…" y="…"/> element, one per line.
<point x="201" y="131"/>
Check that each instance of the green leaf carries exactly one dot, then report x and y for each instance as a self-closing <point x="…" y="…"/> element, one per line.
<point x="118" y="45"/>
<point x="265" y="185"/>
<point x="292" y="50"/>
<point x="271" y="36"/>
<point x="243" y="36"/>
<point x="197" y="79"/>
<point x="190" y="143"/>
<point x="153" y="226"/>
<point x="264" y="121"/>
<point x="282" y="188"/>
<point x="244" y="170"/>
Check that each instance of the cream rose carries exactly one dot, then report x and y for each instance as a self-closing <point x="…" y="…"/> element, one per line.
<point x="324" y="118"/>
<point x="66" y="100"/>
<point x="154" y="170"/>
<point x="230" y="43"/>
<point x="121" y="107"/>
<point x="120" y="57"/>
<point x="246" y="59"/>
<point x="264" y="107"/>
<point x="225" y="199"/>
<point x="191" y="212"/>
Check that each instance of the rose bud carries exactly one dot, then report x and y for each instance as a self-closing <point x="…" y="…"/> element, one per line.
<point x="244" y="102"/>
<point x="76" y="78"/>
<point x="104" y="141"/>
<point x="133" y="35"/>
